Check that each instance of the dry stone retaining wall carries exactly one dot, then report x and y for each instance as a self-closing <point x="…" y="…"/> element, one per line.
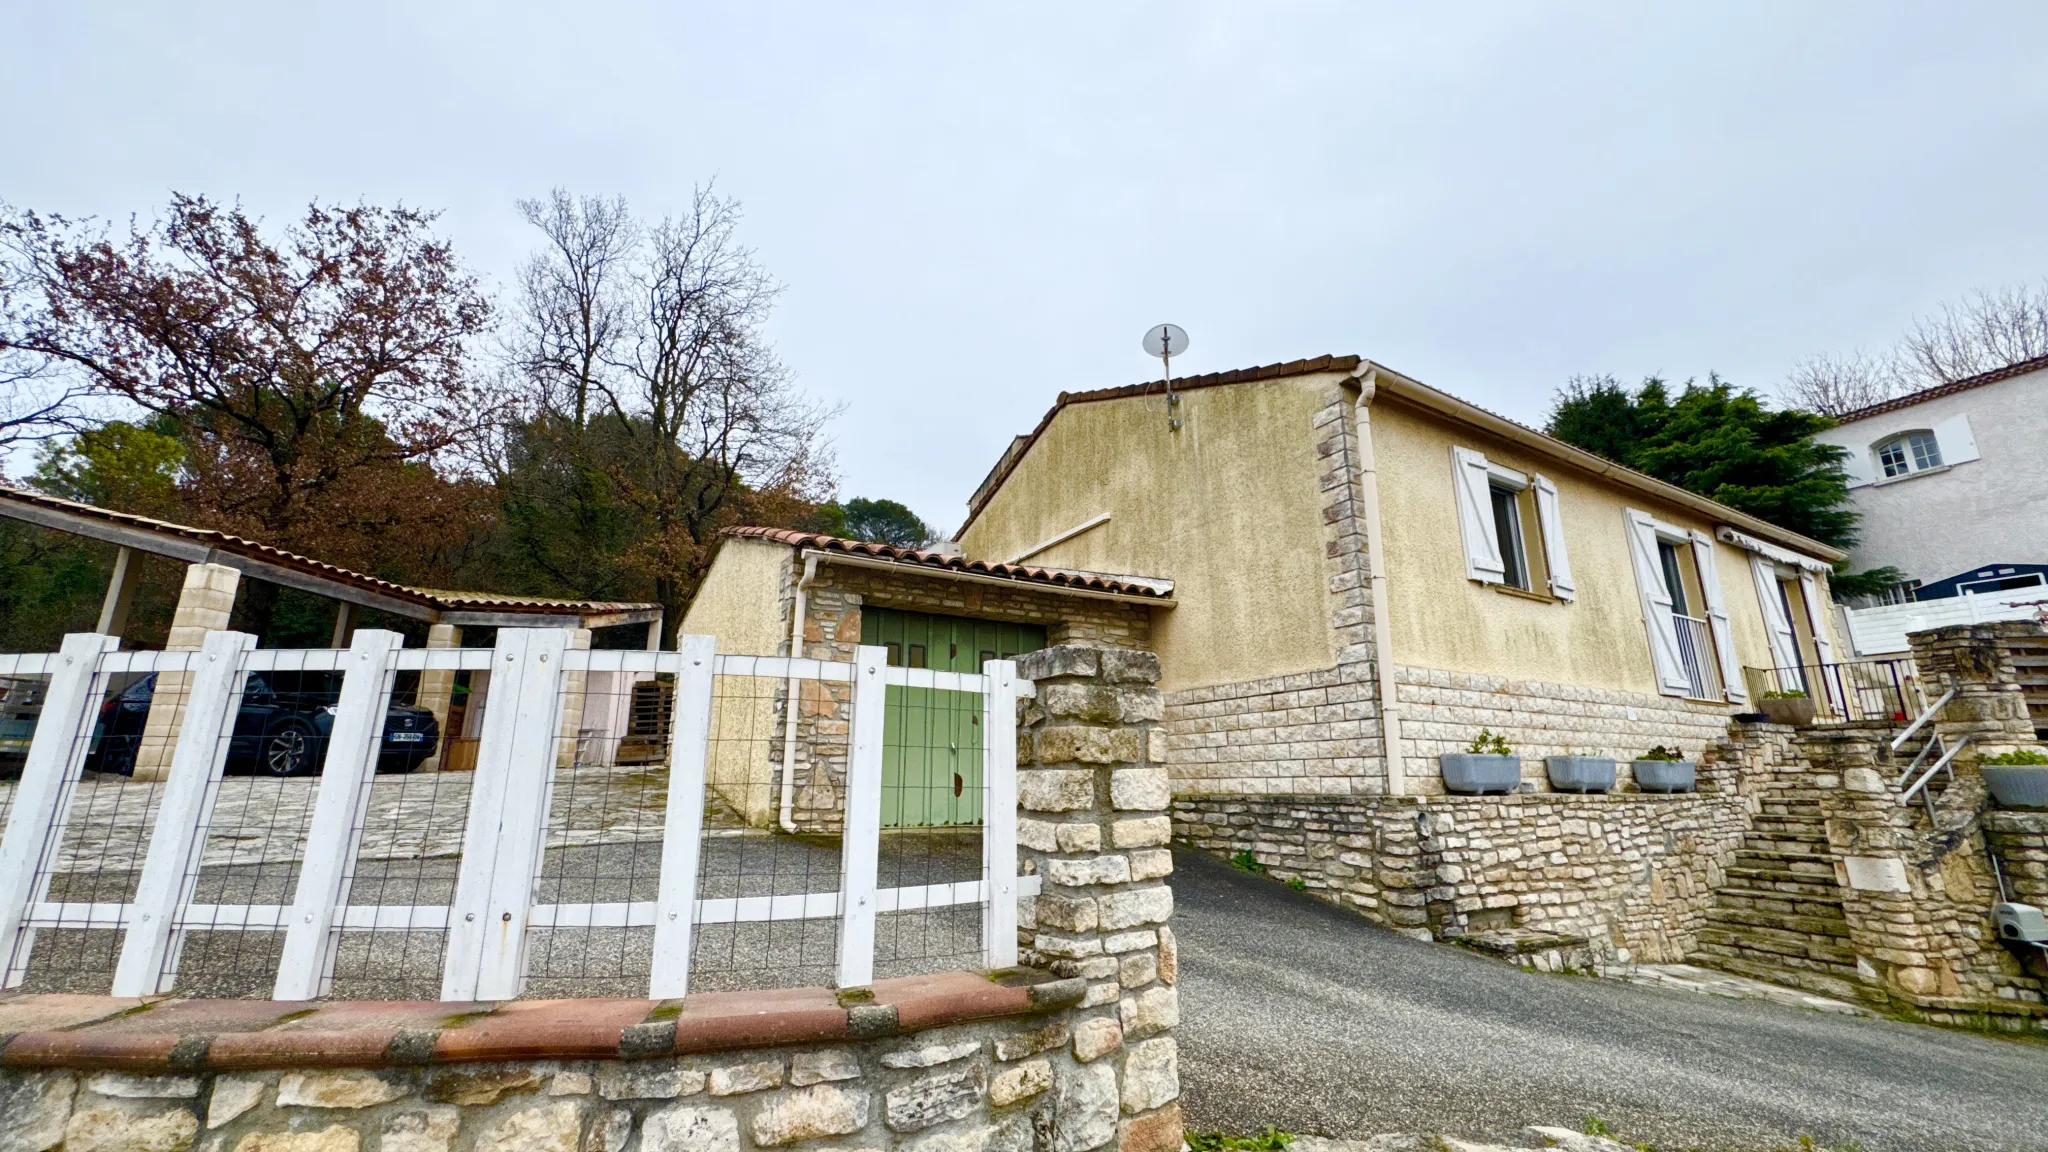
<point x="1633" y="873"/>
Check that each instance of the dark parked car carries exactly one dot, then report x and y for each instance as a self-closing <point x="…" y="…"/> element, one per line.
<point x="277" y="733"/>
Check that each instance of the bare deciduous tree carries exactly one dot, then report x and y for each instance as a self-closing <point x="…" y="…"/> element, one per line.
<point x="1988" y="331"/>
<point x="1834" y="385"/>
<point x="658" y="378"/>
<point x="573" y="307"/>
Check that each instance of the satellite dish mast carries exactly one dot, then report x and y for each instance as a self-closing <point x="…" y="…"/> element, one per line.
<point x="1167" y="341"/>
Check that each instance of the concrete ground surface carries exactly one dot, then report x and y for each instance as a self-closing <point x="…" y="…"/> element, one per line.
<point x="1302" y="1016"/>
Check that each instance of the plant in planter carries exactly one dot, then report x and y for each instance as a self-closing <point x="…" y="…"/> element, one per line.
<point x="1581" y="772"/>
<point x="1664" y="769"/>
<point x="1791" y="706"/>
<point x="1489" y="765"/>
<point x="2017" y="779"/>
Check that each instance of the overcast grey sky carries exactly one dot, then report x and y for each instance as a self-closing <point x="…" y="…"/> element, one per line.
<point x="974" y="209"/>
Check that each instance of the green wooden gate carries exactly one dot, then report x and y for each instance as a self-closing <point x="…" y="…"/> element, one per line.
<point x="931" y="738"/>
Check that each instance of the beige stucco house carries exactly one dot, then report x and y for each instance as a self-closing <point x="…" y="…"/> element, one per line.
<point x="1367" y="572"/>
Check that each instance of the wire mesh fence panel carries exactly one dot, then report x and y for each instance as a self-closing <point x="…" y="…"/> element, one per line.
<point x="932" y="802"/>
<point x="767" y="908"/>
<point x="87" y="872"/>
<point x="21" y="706"/>
<point x="407" y="835"/>
<point x="256" y="817"/>
<point x="601" y="866"/>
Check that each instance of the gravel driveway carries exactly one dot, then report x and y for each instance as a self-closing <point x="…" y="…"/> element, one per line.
<point x="1299" y="1015"/>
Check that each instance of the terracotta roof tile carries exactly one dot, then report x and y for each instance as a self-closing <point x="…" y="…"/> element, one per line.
<point x="2022" y="368"/>
<point x="1113" y="584"/>
<point x="240" y="546"/>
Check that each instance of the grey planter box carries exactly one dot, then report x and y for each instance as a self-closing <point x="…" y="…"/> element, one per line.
<point x="1581" y="773"/>
<point x="2017" y="785"/>
<point x="1471" y="774"/>
<point x="1664" y="775"/>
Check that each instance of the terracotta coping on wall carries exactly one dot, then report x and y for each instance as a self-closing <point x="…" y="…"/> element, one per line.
<point x="178" y="1035"/>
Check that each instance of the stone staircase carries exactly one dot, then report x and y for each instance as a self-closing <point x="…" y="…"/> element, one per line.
<point x="1778" y="917"/>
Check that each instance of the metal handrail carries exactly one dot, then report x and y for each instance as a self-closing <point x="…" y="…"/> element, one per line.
<point x="1906" y="797"/>
<point x="1933" y="742"/>
<point x="1899" y="741"/>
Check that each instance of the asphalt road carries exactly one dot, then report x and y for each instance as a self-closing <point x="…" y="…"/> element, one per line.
<point x="1298" y="1015"/>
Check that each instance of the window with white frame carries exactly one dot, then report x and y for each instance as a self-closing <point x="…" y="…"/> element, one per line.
<point x="1908" y="452"/>
<point x="1512" y="526"/>
<point x="1692" y="646"/>
<point x="1507" y="529"/>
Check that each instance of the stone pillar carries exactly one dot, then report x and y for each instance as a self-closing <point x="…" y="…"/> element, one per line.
<point x="1989" y="707"/>
<point x="1093" y="790"/>
<point x="437" y="688"/>
<point x="204" y="605"/>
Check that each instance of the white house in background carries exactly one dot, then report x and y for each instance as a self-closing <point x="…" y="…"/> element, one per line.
<point x="1952" y="484"/>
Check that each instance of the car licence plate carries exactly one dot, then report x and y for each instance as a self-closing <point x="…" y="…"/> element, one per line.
<point x="406" y="737"/>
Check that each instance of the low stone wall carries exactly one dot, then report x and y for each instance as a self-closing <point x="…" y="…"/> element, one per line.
<point x="943" y="1064"/>
<point x="1634" y="873"/>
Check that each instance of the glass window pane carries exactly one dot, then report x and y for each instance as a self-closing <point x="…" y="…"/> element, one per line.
<point x="1507" y="530"/>
<point x="1893" y="457"/>
<point x="1926" y="452"/>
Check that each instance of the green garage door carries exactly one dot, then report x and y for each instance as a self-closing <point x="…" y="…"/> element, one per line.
<point x="931" y="741"/>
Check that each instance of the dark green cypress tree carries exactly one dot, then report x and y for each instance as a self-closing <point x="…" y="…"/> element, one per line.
<point x="1723" y="443"/>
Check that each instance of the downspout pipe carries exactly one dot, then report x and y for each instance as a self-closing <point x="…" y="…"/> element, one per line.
<point x="796" y="651"/>
<point x="1376" y="569"/>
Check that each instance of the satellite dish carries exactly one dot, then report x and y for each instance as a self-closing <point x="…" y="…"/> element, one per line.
<point x="1167" y="341"/>
<point x="1164" y="340"/>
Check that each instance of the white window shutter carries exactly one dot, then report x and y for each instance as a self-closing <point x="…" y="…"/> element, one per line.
<point x="1554" y="556"/>
<point x="1475" y="516"/>
<point x="1958" y="444"/>
<point x="1860" y="465"/>
<point x="1777" y="625"/>
<point x="1717" y="618"/>
<point x="1816" y="616"/>
<point x="1657" y="610"/>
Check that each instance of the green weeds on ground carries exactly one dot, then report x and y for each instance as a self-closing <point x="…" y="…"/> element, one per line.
<point x="1244" y="862"/>
<point x="1271" y="1140"/>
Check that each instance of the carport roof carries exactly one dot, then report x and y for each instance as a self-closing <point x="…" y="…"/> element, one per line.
<point x="1070" y="580"/>
<point x="191" y="545"/>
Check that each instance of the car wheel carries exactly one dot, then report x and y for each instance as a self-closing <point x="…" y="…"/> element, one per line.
<point x="116" y="757"/>
<point x="287" y="751"/>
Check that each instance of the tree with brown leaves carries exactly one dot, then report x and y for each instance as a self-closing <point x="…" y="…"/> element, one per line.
<point x="316" y="372"/>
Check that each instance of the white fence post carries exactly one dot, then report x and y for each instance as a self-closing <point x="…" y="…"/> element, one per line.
<point x="148" y="962"/>
<point x="999" y="814"/>
<point x="682" y="833"/>
<point x="508" y="812"/>
<point x="306" y="967"/>
<point x="48" y="779"/>
<point x="860" y="861"/>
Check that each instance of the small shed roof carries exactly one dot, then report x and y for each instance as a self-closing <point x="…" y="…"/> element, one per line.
<point x="1071" y="581"/>
<point x="191" y="545"/>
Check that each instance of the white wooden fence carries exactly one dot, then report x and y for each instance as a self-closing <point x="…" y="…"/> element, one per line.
<point x="1883" y="629"/>
<point x="493" y="911"/>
